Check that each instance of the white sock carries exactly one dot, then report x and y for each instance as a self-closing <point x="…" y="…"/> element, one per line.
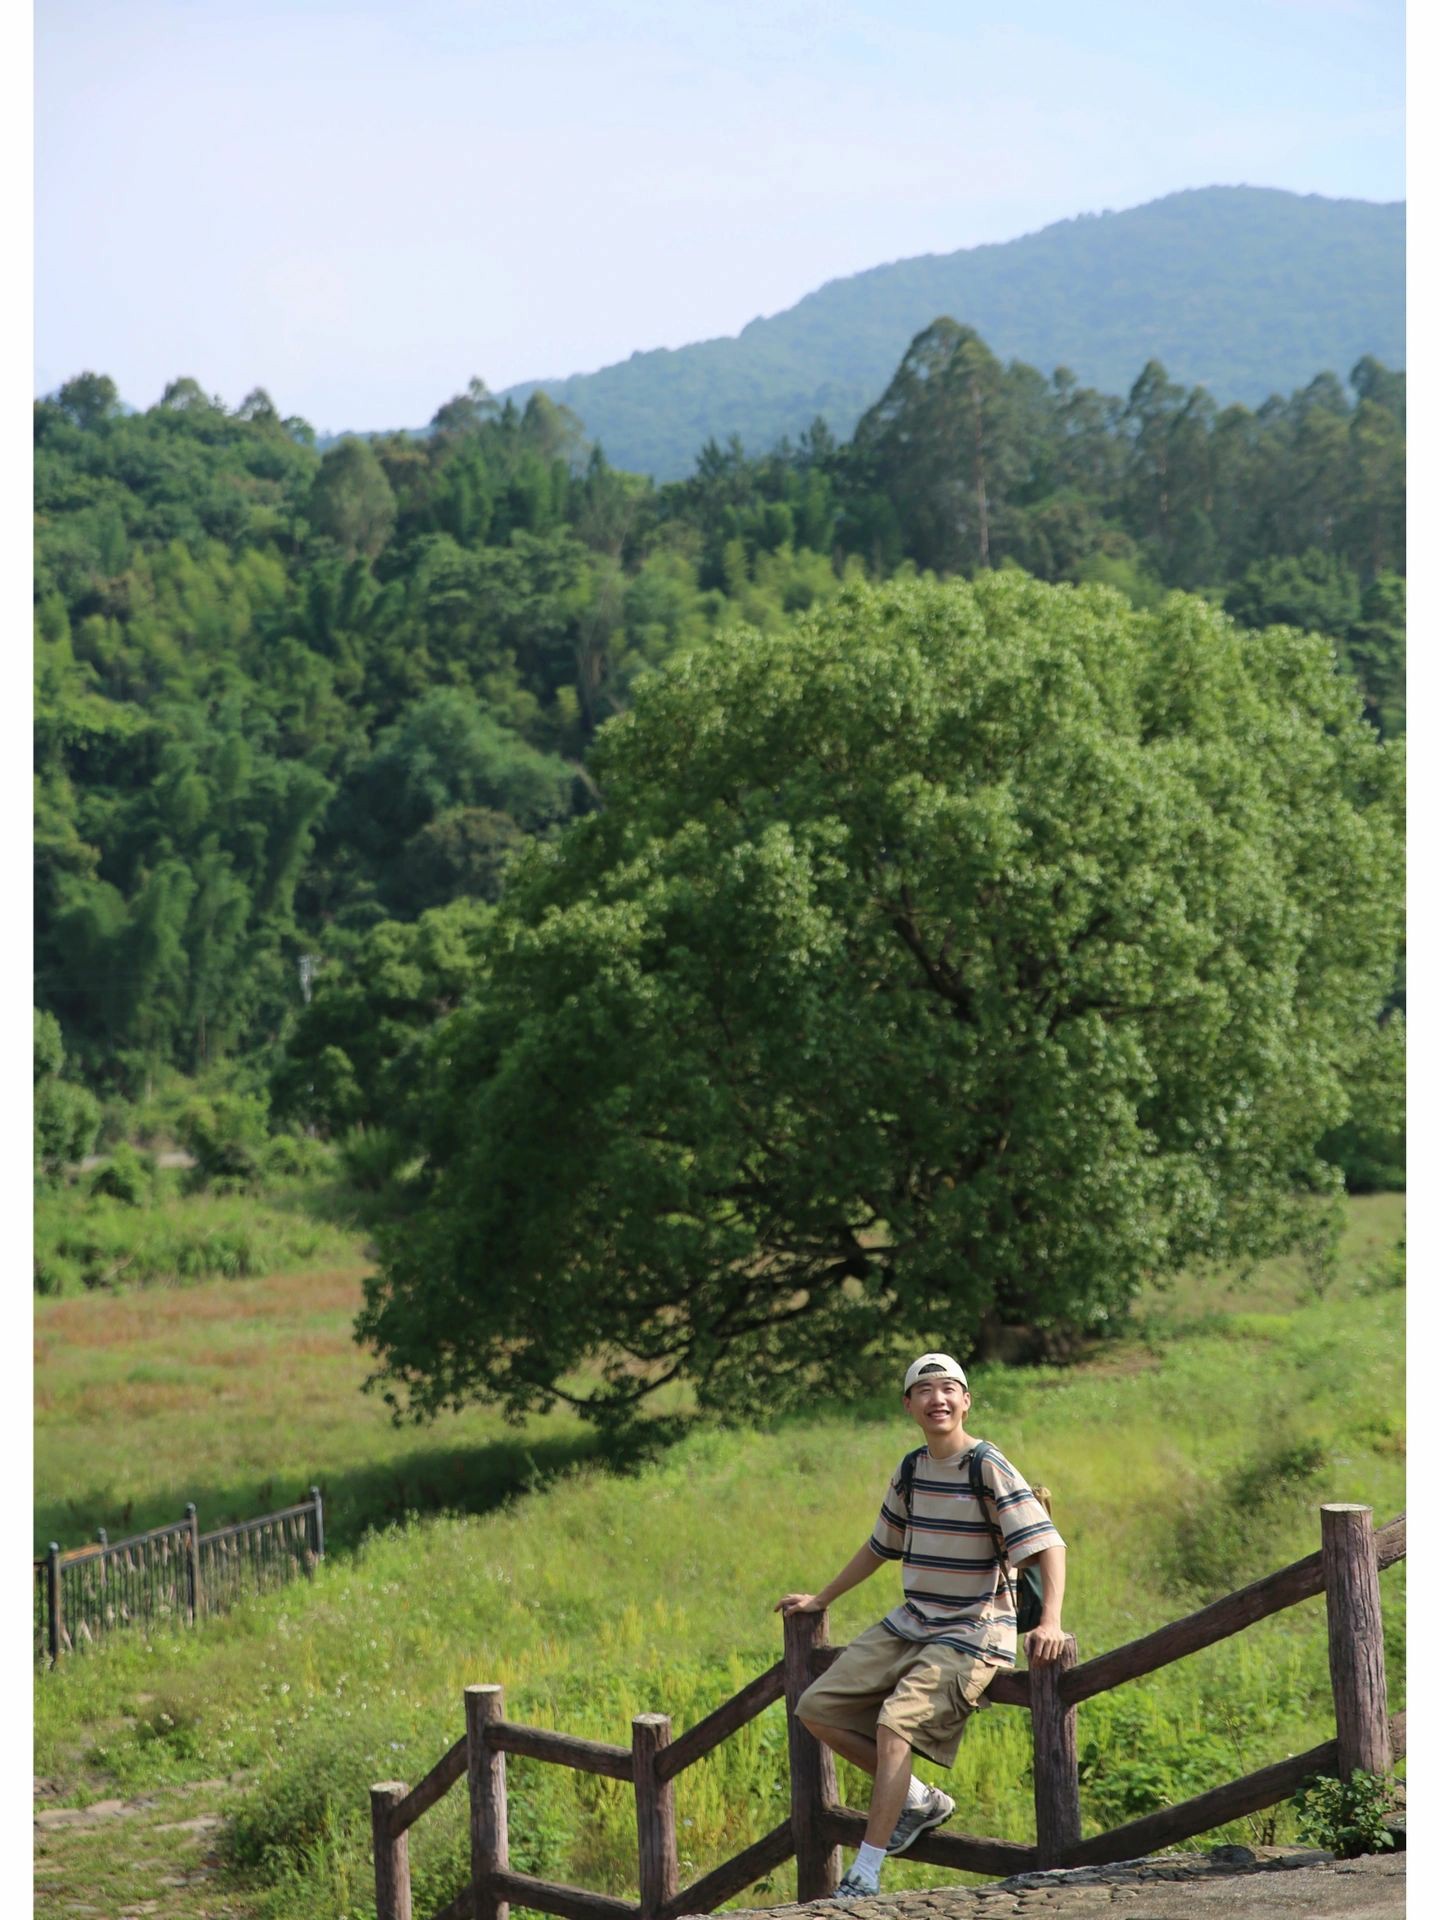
<point x="917" y="1794"/>
<point x="869" y="1861"/>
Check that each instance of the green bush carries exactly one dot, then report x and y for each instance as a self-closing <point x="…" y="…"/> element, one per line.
<point x="127" y="1176"/>
<point x="56" y="1273"/>
<point x="1347" y="1816"/>
<point x="291" y="1156"/>
<point x="229" y="1136"/>
<point x="371" y="1156"/>
<point x="66" y="1115"/>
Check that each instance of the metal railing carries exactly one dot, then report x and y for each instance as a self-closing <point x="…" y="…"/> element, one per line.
<point x="168" y="1576"/>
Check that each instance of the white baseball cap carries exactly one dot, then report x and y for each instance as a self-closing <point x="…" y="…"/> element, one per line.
<point x="935" y="1363"/>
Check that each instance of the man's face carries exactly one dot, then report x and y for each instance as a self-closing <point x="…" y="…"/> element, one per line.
<point x="937" y="1405"/>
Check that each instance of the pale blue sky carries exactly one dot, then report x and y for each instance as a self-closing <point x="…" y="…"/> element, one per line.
<point x="358" y="205"/>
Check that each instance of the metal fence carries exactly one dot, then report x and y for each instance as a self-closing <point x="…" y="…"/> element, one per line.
<point x="170" y="1576"/>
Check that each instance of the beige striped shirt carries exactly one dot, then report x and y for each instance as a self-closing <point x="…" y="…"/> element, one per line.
<point x="957" y="1591"/>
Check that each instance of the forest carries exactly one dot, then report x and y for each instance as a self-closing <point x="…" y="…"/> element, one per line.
<point x="289" y="703"/>
<point x="1189" y="279"/>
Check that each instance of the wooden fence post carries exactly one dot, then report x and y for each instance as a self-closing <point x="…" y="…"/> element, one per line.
<point x="1357" y="1642"/>
<point x="1057" y="1768"/>
<point x="318" y="1525"/>
<point x="54" y="1603"/>
<point x="654" y="1815"/>
<point x="192" y="1563"/>
<point x="392" y="1854"/>
<point x="812" y="1766"/>
<point x="489" y="1814"/>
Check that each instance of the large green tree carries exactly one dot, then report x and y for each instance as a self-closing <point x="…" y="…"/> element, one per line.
<point x="351" y="500"/>
<point x="942" y="445"/>
<point x="966" y="949"/>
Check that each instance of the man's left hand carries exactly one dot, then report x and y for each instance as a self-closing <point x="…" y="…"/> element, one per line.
<point x="1043" y="1643"/>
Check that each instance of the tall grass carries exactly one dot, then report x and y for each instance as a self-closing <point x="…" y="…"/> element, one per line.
<point x="86" y="1241"/>
<point x="599" y="1595"/>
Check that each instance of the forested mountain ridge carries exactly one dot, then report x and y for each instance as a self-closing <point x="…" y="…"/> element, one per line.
<point x="1246" y="291"/>
<point x="294" y="708"/>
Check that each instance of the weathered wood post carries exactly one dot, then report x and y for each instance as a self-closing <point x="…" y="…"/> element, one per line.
<point x="318" y="1526"/>
<point x="392" y="1854"/>
<point x="654" y="1815"/>
<point x="1057" y="1767"/>
<point x="812" y="1767"/>
<point x="192" y="1563"/>
<point x="54" y="1603"/>
<point x="1357" y="1642"/>
<point x="489" y="1814"/>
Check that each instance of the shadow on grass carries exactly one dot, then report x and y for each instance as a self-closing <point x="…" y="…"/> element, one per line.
<point x="430" y="1480"/>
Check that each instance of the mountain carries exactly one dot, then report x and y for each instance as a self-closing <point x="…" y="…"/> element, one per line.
<point x="1246" y="291"/>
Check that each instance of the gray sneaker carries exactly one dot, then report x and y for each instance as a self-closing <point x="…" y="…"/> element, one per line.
<point x="855" y="1886"/>
<point x="914" y="1821"/>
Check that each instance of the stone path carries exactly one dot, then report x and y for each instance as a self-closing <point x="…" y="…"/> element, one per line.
<point x="1233" y="1883"/>
<point x="153" y="1857"/>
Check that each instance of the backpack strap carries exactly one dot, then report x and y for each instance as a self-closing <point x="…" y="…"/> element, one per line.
<point x="907" y="1477"/>
<point x="979" y="1453"/>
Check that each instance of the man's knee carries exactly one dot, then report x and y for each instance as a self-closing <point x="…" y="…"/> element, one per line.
<point x="889" y="1743"/>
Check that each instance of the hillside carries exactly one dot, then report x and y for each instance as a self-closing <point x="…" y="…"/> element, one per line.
<point x="453" y="1558"/>
<point x="1247" y="291"/>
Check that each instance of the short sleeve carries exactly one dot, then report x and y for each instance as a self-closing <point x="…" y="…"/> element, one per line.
<point x="1027" y="1527"/>
<point x="888" y="1539"/>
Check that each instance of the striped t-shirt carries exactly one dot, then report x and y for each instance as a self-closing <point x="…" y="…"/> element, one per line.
<point x="956" y="1590"/>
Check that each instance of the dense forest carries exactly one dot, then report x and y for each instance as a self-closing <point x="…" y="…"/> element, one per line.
<point x="288" y="701"/>
<point x="1194" y="279"/>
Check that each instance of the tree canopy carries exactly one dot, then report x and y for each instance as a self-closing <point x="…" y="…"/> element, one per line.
<point x="283" y="697"/>
<point x="967" y="948"/>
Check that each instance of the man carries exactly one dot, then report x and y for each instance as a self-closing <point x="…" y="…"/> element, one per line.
<point x="912" y="1681"/>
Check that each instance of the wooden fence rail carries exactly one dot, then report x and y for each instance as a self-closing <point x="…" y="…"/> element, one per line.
<point x="1346" y="1570"/>
<point x="172" y="1575"/>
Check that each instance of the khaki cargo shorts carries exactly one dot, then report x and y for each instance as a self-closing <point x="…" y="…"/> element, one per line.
<point x="924" y="1693"/>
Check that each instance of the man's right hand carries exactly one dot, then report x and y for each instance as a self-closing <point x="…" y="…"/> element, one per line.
<point x="799" y="1603"/>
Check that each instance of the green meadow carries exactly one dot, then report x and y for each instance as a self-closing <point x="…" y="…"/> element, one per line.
<point x="1185" y="1458"/>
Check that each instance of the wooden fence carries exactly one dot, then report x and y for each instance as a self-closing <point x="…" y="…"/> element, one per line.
<point x="1346" y="1570"/>
<point x="171" y="1575"/>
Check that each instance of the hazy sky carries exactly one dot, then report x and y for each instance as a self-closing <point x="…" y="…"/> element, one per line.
<point x="358" y="205"/>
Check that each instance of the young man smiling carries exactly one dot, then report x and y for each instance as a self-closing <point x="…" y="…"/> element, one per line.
<point x="909" y="1683"/>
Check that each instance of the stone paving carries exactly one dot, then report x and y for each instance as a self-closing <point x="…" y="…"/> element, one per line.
<point x="1231" y="1883"/>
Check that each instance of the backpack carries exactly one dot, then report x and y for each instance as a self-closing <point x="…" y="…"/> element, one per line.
<point x="1029" y="1586"/>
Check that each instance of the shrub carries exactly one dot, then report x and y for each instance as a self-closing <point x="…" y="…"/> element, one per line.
<point x="66" y="1115"/>
<point x="371" y="1156"/>
<point x="1347" y="1816"/>
<point x="229" y="1137"/>
<point x="127" y="1176"/>
<point x="290" y="1156"/>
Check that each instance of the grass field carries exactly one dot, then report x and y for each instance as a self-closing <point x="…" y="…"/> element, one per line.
<point x="1185" y="1459"/>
